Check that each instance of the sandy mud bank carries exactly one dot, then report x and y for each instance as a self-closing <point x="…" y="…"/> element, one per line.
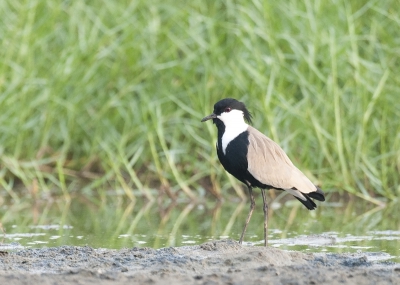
<point x="217" y="262"/>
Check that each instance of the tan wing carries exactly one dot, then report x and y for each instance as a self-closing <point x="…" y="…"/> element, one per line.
<point x="269" y="164"/>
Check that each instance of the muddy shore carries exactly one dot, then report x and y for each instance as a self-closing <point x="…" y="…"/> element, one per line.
<point x="217" y="262"/>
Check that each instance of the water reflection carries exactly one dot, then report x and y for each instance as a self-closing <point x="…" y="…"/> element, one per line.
<point x="347" y="224"/>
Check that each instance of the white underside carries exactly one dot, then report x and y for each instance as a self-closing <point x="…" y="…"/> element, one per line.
<point x="297" y="194"/>
<point x="234" y="126"/>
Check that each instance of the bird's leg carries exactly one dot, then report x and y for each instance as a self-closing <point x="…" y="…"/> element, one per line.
<point x="265" y="208"/>
<point x="252" y="205"/>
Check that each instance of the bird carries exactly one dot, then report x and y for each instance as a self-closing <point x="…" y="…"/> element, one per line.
<point x="256" y="160"/>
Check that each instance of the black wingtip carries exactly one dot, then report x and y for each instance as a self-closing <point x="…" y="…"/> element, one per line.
<point x="317" y="195"/>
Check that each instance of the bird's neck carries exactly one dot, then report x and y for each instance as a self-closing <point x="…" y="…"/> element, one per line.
<point x="220" y="127"/>
<point x="227" y="133"/>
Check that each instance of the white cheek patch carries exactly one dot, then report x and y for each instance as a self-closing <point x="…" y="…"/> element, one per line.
<point x="234" y="126"/>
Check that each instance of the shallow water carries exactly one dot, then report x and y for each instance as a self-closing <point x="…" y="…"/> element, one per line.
<point x="341" y="225"/>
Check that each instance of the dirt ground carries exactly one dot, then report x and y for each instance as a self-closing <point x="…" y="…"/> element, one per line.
<point x="217" y="262"/>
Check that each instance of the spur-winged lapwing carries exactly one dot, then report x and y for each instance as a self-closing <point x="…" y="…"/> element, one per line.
<point x="256" y="160"/>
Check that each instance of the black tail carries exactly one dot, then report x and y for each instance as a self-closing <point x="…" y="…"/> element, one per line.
<point x="308" y="203"/>
<point x="317" y="195"/>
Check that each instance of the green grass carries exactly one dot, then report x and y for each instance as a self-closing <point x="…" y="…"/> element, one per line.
<point x="113" y="92"/>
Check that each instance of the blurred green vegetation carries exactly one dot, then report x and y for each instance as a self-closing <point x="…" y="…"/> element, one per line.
<point x="98" y="95"/>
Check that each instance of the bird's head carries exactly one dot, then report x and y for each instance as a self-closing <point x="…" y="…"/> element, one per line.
<point x="229" y="111"/>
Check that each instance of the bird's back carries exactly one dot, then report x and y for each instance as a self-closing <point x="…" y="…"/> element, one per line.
<point x="270" y="165"/>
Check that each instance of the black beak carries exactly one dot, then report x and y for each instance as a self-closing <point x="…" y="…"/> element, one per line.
<point x="209" y="117"/>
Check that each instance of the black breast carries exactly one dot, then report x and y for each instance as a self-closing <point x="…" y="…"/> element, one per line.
<point x="235" y="158"/>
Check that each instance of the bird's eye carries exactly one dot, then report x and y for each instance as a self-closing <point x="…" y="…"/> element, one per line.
<point x="228" y="110"/>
